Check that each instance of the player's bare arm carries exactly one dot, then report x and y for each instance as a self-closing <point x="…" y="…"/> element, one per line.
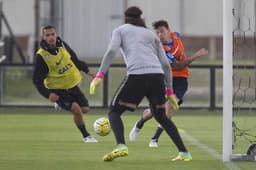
<point x="181" y="64"/>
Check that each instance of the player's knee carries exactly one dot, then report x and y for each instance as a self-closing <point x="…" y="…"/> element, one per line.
<point x="85" y="109"/>
<point x="75" y="108"/>
<point x="147" y="114"/>
<point x="116" y="110"/>
<point x="169" y="113"/>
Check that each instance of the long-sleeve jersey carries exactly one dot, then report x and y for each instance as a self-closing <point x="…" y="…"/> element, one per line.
<point x="142" y="52"/>
<point x="41" y="69"/>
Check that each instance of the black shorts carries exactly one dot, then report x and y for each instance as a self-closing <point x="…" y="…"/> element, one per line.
<point x="180" y="86"/>
<point x="67" y="97"/>
<point x="135" y="87"/>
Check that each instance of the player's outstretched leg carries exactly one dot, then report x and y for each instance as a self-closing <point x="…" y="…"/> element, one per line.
<point x="172" y="131"/>
<point x="78" y="119"/>
<point x="154" y="139"/>
<point x="139" y="124"/>
<point x="118" y="130"/>
<point x="134" y="132"/>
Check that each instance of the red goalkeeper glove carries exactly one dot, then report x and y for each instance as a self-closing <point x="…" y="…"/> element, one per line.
<point x="170" y="96"/>
<point x="95" y="82"/>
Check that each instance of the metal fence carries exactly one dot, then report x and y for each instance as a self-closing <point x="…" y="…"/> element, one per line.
<point x="17" y="90"/>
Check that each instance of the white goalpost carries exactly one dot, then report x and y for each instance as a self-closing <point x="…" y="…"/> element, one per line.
<point x="239" y="80"/>
<point x="227" y="79"/>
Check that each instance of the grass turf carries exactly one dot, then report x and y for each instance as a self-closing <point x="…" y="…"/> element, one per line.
<point x="38" y="139"/>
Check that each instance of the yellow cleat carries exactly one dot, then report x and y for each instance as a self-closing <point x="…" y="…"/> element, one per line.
<point x="120" y="151"/>
<point x="183" y="156"/>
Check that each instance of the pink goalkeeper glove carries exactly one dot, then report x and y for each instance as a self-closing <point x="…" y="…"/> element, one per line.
<point x="95" y="82"/>
<point x="170" y="96"/>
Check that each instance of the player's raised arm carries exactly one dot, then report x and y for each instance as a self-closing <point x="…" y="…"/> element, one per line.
<point x="181" y="64"/>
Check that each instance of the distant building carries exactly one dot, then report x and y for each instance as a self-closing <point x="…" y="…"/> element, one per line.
<point x="87" y="24"/>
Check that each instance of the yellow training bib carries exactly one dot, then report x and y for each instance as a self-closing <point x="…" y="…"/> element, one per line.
<point x="63" y="74"/>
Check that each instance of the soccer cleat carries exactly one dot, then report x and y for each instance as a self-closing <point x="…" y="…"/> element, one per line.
<point x="134" y="133"/>
<point x="183" y="156"/>
<point x="153" y="143"/>
<point x="90" y="139"/>
<point x="56" y="106"/>
<point x="120" y="151"/>
<point x="181" y="130"/>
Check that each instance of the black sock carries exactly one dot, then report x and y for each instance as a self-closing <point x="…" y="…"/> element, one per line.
<point x="83" y="130"/>
<point x="171" y="129"/>
<point x="140" y="123"/>
<point x="117" y="126"/>
<point x="157" y="134"/>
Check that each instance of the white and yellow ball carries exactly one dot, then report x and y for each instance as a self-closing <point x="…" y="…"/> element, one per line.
<point x="102" y="126"/>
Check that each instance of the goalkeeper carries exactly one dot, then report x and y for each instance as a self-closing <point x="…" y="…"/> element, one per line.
<point x="56" y="77"/>
<point x="174" y="50"/>
<point x="148" y="75"/>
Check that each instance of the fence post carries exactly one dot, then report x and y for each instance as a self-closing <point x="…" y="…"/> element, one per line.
<point x="212" y="88"/>
<point x="1" y="85"/>
<point x="1" y="10"/>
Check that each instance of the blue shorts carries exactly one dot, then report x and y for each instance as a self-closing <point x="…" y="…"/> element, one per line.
<point x="180" y="86"/>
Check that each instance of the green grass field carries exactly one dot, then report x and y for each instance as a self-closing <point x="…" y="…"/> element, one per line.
<point x="40" y="139"/>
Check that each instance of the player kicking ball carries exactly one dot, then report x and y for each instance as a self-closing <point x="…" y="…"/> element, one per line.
<point x="174" y="50"/>
<point x="148" y="75"/>
<point x="57" y="75"/>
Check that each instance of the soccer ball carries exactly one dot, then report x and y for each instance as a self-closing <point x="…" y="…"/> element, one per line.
<point x="101" y="126"/>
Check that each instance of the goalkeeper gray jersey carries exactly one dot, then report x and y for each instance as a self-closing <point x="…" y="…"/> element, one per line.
<point x="142" y="51"/>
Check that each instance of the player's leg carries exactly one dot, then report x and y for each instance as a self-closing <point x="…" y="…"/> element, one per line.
<point x="147" y="115"/>
<point x="74" y="101"/>
<point x="173" y="133"/>
<point x="157" y="103"/>
<point x="154" y="140"/>
<point x="84" y="107"/>
<point x="117" y="125"/>
<point x="78" y="119"/>
<point x="180" y="86"/>
<point x="124" y="99"/>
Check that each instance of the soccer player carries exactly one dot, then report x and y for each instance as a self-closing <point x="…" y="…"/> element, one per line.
<point x="148" y="75"/>
<point x="57" y="75"/>
<point x="174" y="51"/>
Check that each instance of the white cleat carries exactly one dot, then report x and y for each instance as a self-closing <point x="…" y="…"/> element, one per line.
<point x="134" y="133"/>
<point x="56" y="106"/>
<point x="153" y="143"/>
<point x="90" y="139"/>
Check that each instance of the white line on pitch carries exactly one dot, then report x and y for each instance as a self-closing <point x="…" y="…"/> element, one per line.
<point x="212" y="152"/>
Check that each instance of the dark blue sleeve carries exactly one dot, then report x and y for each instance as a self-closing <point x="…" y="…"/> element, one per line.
<point x="39" y="74"/>
<point x="178" y="34"/>
<point x="81" y="65"/>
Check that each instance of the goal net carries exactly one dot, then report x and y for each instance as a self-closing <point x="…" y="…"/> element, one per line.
<point x="243" y="117"/>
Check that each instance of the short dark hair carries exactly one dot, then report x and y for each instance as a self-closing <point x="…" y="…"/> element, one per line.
<point x="133" y="16"/>
<point x="160" y="23"/>
<point x="47" y="27"/>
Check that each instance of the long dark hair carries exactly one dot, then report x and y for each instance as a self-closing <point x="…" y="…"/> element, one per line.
<point x="133" y="16"/>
